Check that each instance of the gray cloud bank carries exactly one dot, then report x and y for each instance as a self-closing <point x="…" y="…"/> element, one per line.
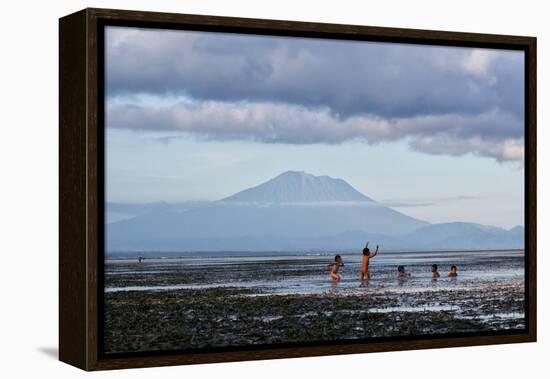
<point x="451" y="134"/>
<point x="450" y="101"/>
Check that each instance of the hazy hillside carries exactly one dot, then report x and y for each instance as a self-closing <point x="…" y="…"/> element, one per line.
<point x="294" y="211"/>
<point x="462" y="235"/>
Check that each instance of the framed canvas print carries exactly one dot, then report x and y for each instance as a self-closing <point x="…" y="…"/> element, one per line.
<point x="238" y="189"/>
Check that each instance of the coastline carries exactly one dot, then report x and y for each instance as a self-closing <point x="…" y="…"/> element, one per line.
<point x="196" y="303"/>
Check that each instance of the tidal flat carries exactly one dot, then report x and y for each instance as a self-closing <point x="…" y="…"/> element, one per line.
<point x="198" y="302"/>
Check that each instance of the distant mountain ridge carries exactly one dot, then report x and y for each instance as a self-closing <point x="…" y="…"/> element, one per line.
<point x="294" y="211"/>
<point x="466" y="235"/>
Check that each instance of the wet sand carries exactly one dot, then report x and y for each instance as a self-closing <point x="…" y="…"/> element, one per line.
<point x="202" y="303"/>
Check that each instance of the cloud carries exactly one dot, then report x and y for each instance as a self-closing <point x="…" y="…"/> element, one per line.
<point x="442" y="100"/>
<point x="478" y="61"/>
<point x="347" y="77"/>
<point x="503" y="150"/>
<point x="426" y="202"/>
<point x="400" y="204"/>
<point x="493" y="134"/>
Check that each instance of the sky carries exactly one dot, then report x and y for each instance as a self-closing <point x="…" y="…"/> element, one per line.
<point x="434" y="132"/>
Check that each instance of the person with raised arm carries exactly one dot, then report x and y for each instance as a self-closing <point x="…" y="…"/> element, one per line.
<point x="367" y="256"/>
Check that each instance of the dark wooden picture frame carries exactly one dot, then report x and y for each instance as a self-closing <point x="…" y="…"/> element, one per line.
<point x="81" y="196"/>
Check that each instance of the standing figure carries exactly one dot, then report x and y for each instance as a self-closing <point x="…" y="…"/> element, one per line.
<point x="367" y="255"/>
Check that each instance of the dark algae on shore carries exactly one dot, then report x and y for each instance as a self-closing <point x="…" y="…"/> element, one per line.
<point x="188" y="319"/>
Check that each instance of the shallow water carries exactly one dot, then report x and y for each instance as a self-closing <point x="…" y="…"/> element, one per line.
<point x="308" y="274"/>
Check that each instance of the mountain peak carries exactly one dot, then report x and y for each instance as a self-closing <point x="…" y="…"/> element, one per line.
<point x="299" y="186"/>
<point x="292" y="172"/>
<point x="517" y="230"/>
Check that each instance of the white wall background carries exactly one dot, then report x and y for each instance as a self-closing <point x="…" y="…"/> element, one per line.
<point x="28" y="191"/>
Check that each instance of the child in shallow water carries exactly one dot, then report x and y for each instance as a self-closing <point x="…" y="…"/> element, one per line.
<point x="452" y="273"/>
<point x="401" y="273"/>
<point x="435" y="274"/>
<point x="338" y="262"/>
<point x="367" y="256"/>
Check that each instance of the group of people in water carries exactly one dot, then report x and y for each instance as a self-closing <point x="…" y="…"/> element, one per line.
<point x="365" y="275"/>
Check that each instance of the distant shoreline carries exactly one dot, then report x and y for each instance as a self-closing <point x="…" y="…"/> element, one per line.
<point x="236" y="254"/>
